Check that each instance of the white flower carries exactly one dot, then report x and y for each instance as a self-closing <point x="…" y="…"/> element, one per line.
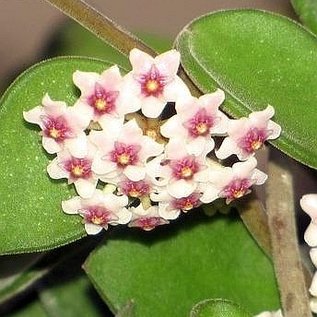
<point x="123" y="150"/>
<point x="247" y="135"/>
<point x="277" y="313"/>
<point x="152" y="82"/>
<point x="99" y="211"/>
<point x="309" y="205"/>
<point x="77" y="170"/>
<point x="61" y="126"/>
<point x="100" y="94"/>
<point x="232" y="182"/>
<point x="170" y="207"/>
<point x="196" y="120"/>
<point x="179" y="170"/>
<point x="146" y="219"/>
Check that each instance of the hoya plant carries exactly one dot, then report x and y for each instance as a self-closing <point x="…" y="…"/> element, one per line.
<point x="130" y="182"/>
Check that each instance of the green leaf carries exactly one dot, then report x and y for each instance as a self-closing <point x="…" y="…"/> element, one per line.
<point x="72" y="298"/>
<point x="258" y="58"/>
<point x="30" y="204"/>
<point x="167" y="271"/>
<point x="307" y="11"/>
<point x="218" y="308"/>
<point x="16" y="274"/>
<point x="32" y="309"/>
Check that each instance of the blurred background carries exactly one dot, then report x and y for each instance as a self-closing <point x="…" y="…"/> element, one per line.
<point x="28" y="28"/>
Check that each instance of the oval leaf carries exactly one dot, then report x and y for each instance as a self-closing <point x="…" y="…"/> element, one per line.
<point x="30" y="204"/>
<point x="258" y="58"/>
<point x="218" y="308"/>
<point x="307" y="11"/>
<point x="182" y="265"/>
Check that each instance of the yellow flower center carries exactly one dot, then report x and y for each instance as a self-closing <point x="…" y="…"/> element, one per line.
<point x="77" y="170"/>
<point x="201" y="128"/>
<point x="255" y="145"/>
<point x="152" y="85"/>
<point x="101" y="104"/>
<point x="97" y="220"/>
<point x="54" y="133"/>
<point x="124" y="159"/>
<point x="186" y="172"/>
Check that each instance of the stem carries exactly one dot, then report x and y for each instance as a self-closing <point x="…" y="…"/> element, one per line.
<point x="110" y="32"/>
<point x="286" y="256"/>
<point x="255" y="219"/>
<point x="101" y="26"/>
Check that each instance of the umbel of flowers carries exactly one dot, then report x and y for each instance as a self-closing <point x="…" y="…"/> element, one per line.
<point x="151" y="170"/>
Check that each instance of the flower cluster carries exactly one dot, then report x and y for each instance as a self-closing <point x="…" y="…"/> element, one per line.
<point x="152" y="170"/>
<point x="309" y="205"/>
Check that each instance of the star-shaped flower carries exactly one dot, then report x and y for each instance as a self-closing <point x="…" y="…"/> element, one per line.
<point x="197" y="120"/>
<point x="152" y="82"/>
<point x="247" y="135"/>
<point x="61" y="126"/>
<point x="99" y="211"/>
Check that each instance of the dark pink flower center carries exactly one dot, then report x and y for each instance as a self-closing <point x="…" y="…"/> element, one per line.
<point x="236" y="189"/>
<point x="135" y="189"/>
<point x="253" y="140"/>
<point x="125" y="154"/>
<point x="56" y="128"/>
<point x="148" y="223"/>
<point x="200" y="124"/>
<point x="152" y="82"/>
<point x="98" y="215"/>
<point x="184" y="168"/>
<point x="78" y="168"/>
<point x="187" y="203"/>
<point x="103" y="101"/>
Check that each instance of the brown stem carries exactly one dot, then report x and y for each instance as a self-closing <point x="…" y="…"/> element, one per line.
<point x="101" y="26"/>
<point x="110" y="32"/>
<point x="286" y="256"/>
<point x="254" y="217"/>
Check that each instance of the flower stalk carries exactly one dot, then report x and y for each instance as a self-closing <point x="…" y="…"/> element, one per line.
<point x="285" y="251"/>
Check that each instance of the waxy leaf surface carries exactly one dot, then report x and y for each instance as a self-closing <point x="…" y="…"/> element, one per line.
<point x="258" y="58"/>
<point x="307" y="11"/>
<point x="167" y="271"/>
<point x="30" y="205"/>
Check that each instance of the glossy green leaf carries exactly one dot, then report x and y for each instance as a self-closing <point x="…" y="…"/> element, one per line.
<point x="30" y="205"/>
<point x="167" y="271"/>
<point x="258" y="58"/>
<point x="218" y="308"/>
<point x="307" y="11"/>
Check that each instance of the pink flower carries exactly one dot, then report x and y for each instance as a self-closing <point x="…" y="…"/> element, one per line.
<point x="152" y="82"/>
<point x="232" y="182"/>
<point x="170" y="207"/>
<point x="197" y="120"/>
<point x="146" y="219"/>
<point x="134" y="189"/>
<point x="179" y="170"/>
<point x="61" y="126"/>
<point x="123" y="150"/>
<point x="309" y="205"/>
<point x="77" y="170"/>
<point x="247" y="135"/>
<point x="99" y="211"/>
<point x="100" y="94"/>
